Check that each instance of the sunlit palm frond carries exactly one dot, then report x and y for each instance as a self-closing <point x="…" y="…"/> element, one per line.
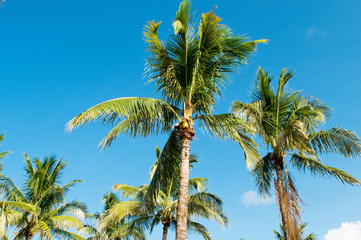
<point x="199" y="228"/>
<point x="143" y="116"/>
<point x="207" y="205"/>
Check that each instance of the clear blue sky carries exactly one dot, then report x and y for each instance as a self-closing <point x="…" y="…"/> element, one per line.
<point x="57" y="58"/>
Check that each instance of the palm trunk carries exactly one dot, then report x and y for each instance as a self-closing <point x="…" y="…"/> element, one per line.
<point x="165" y="230"/>
<point x="280" y="191"/>
<point x="182" y="209"/>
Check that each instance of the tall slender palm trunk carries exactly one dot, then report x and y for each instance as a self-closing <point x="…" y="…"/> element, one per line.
<point x="165" y="230"/>
<point x="182" y="209"/>
<point x="281" y="194"/>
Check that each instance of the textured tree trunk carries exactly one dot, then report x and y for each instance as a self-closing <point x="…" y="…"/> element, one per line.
<point x="280" y="191"/>
<point x="165" y="231"/>
<point x="182" y="209"/>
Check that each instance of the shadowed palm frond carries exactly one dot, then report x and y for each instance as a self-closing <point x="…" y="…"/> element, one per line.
<point x="314" y="166"/>
<point x="263" y="174"/>
<point x="336" y="140"/>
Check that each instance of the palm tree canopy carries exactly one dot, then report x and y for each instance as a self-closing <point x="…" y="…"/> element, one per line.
<point x="144" y="214"/>
<point x="40" y="208"/>
<point x="289" y="125"/>
<point x="189" y="69"/>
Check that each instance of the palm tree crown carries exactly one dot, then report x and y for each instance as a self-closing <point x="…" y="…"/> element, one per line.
<point x="40" y="209"/>
<point x="289" y="125"/>
<point x="189" y="70"/>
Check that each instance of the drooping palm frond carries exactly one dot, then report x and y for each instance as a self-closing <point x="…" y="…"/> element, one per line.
<point x="263" y="174"/>
<point x="133" y="116"/>
<point x="228" y="126"/>
<point x="168" y="163"/>
<point x="208" y="206"/>
<point x="336" y="140"/>
<point x="199" y="228"/>
<point x="314" y="166"/>
<point x="290" y="205"/>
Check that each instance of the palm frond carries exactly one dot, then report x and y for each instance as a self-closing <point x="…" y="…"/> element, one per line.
<point x="314" y="166"/>
<point x="228" y="126"/>
<point x="168" y="163"/>
<point x="199" y="228"/>
<point x="142" y="116"/>
<point x="263" y="174"/>
<point x="336" y="140"/>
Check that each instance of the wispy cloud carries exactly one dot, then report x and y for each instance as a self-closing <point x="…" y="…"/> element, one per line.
<point x="347" y="231"/>
<point x="314" y="32"/>
<point x="251" y="198"/>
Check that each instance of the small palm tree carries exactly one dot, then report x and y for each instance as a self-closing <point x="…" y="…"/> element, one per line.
<point x="189" y="70"/>
<point x="200" y="204"/>
<point x="300" y="232"/>
<point x="40" y="209"/>
<point x="116" y="230"/>
<point x="288" y="124"/>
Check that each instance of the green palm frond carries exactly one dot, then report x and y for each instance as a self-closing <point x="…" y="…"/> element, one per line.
<point x="167" y="166"/>
<point x="128" y="191"/>
<point x="19" y="206"/>
<point x="142" y="116"/>
<point x="316" y="167"/>
<point x="336" y="140"/>
<point x="263" y="174"/>
<point x="64" y="234"/>
<point x="207" y="205"/>
<point x="198" y="184"/>
<point x="228" y="126"/>
<point x="65" y="222"/>
<point x="199" y="228"/>
<point x="118" y="211"/>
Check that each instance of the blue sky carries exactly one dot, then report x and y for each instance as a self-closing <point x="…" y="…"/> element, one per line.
<point x="58" y="58"/>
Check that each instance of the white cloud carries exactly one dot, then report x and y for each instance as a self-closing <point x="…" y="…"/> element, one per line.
<point x="251" y="198"/>
<point x="314" y="32"/>
<point x="347" y="231"/>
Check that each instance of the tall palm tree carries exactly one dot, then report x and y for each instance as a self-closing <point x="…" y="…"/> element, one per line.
<point x="40" y="209"/>
<point x="3" y="154"/>
<point x="200" y="204"/>
<point x="300" y="231"/>
<point x="190" y="70"/>
<point x="289" y="125"/>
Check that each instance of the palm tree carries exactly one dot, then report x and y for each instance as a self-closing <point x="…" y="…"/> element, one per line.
<point x="116" y="230"/>
<point x="288" y="124"/>
<point x="300" y="231"/>
<point x="40" y="209"/>
<point x="190" y="70"/>
<point x="200" y="204"/>
<point x="3" y="154"/>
